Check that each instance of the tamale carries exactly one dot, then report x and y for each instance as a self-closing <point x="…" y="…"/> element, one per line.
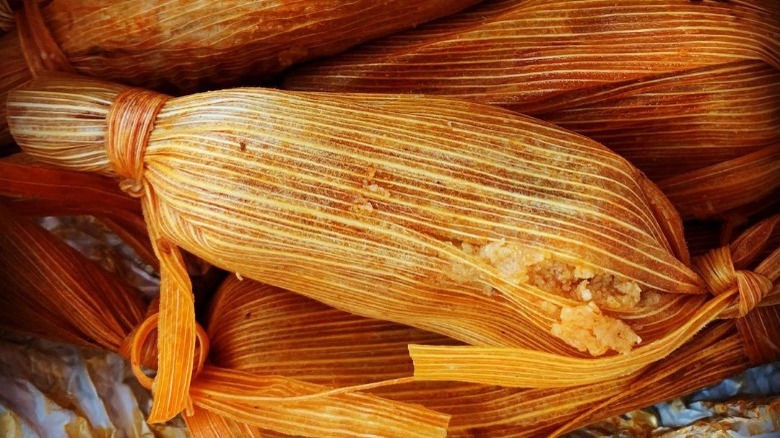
<point x="55" y="293"/>
<point x="515" y="53"/>
<point x="263" y="329"/>
<point x="673" y="85"/>
<point x="189" y="46"/>
<point x="415" y="210"/>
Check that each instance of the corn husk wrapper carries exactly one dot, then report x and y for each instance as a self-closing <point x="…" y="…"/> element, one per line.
<point x="89" y="320"/>
<point x="516" y="53"/>
<point x="55" y="293"/>
<point x="402" y="208"/>
<point x="190" y="46"/>
<point x="674" y="86"/>
<point x="259" y="328"/>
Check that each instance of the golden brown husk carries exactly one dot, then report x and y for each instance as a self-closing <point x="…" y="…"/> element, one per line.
<point x="383" y="206"/>
<point x="379" y="206"/>
<point x="178" y="44"/>
<point x="190" y="46"/>
<point x="49" y="289"/>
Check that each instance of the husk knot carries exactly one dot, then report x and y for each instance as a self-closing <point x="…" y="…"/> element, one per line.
<point x="716" y="268"/>
<point x="130" y="122"/>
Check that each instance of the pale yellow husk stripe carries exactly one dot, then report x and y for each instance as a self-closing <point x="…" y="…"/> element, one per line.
<point x="364" y="203"/>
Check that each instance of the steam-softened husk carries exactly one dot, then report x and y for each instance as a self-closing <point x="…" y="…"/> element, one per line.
<point x="673" y="85"/>
<point x="416" y="210"/>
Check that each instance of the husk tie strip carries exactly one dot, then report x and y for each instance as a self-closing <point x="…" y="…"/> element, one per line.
<point x="130" y="121"/>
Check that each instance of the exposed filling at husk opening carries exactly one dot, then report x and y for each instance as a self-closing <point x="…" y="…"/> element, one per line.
<point x="584" y="327"/>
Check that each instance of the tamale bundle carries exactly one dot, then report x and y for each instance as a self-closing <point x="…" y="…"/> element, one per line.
<point x="494" y="229"/>
<point x="53" y="292"/>
<point x="675" y="86"/>
<point x="187" y="46"/>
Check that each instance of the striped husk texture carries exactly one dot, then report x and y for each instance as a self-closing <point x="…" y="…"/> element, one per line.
<point x="415" y="210"/>
<point x="54" y="292"/>
<point x="674" y="86"/>
<point x="177" y="44"/>
<point x="517" y="53"/>
<point x="190" y="46"/>
<point x="262" y="329"/>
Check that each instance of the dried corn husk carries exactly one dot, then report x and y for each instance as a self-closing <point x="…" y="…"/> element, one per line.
<point x="731" y="271"/>
<point x="726" y="186"/>
<point x="189" y="46"/>
<point x="515" y="53"/>
<point x="82" y="304"/>
<point x="54" y="292"/>
<point x="674" y="86"/>
<point x="36" y="190"/>
<point x="263" y="329"/>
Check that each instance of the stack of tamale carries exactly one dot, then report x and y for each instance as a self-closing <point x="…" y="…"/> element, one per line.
<point x="429" y="260"/>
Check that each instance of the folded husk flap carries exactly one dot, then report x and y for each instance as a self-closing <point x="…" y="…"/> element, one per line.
<point x="415" y="210"/>
<point x="54" y="292"/>
<point x="672" y="85"/>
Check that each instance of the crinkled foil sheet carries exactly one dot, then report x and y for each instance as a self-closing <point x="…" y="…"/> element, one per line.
<point x="53" y="389"/>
